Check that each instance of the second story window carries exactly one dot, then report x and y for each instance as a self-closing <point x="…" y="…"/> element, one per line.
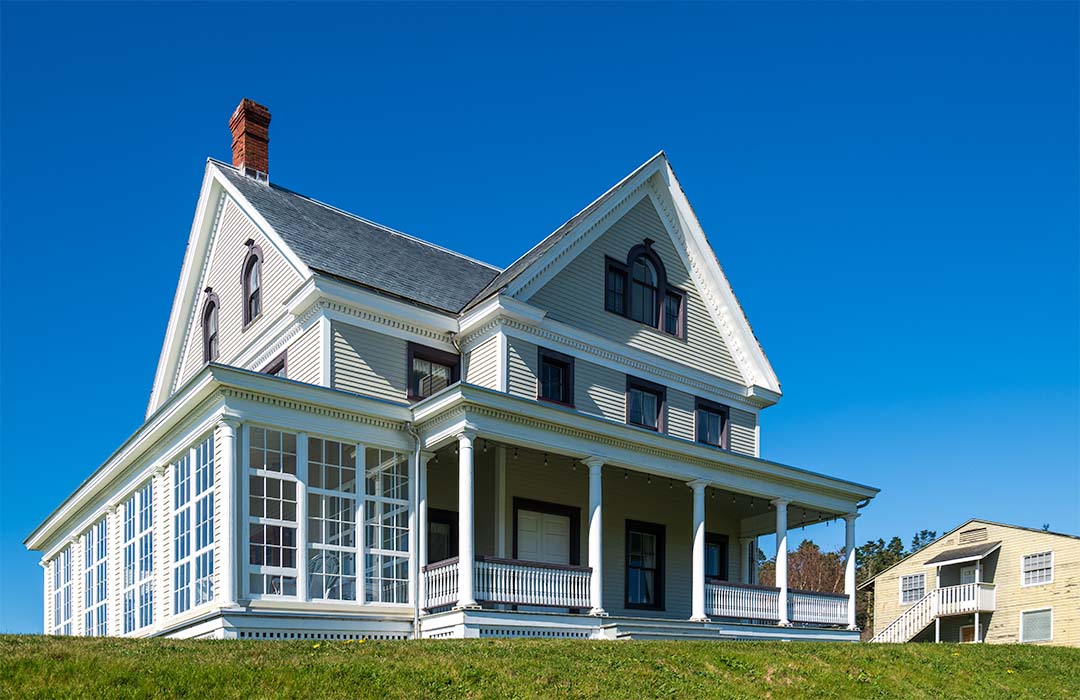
<point x="1038" y="569"/>
<point x="556" y="381"/>
<point x="430" y="371"/>
<point x="712" y="423"/>
<point x="645" y="404"/>
<point x="638" y="290"/>
<point x="912" y="588"/>
<point x="252" y="282"/>
<point x="210" y="326"/>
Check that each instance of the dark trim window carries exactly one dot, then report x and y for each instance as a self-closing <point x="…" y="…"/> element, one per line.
<point x="646" y="404"/>
<point x="252" y="282"/>
<point x="638" y="290"/>
<point x="442" y="535"/>
<point x="277" y="367"/>
<point x="716" y="556"/>
<point x="571" y="512"/>
<point x="430" y="371"/>
<point x="556" y="380"/>
<point x="210" y="326"/>
<point x="644" y="565"/>
<point x="712" y="423"/>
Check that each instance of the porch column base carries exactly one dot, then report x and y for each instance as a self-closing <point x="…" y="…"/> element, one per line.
<point x="467" y="606"/>
<point x="598" y="612"/>
<point x="702" y="618"/>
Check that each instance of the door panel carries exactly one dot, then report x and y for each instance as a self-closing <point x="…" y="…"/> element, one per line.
<point x="967" y="574"/>
<point x="543" y="537"/>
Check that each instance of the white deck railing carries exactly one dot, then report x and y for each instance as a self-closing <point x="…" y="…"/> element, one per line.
<point x="725" y="599"/>
<point x="511" y="582"/>
<point x="950" y="600"/>
<point x="818" y="608"/>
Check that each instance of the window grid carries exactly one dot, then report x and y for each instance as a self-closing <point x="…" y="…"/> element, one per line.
<point x="96" y="570"/>
<point x="912" y="588"/>
<point x="386" y="527"/>
<point x="1038" y="568"/>
<point x="331" y="520"/>
<point x="61" y="570"/>
<point x="1037" y="625"/>
<point x="138" y="588"/>
<point x="193" y="502"/>
<point x="272" y="489"/>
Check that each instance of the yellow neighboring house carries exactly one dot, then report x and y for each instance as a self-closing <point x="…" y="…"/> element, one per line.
<point x="982" y="582"/>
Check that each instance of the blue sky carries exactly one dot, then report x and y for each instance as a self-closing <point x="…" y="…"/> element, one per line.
<point x="891" y="189"/>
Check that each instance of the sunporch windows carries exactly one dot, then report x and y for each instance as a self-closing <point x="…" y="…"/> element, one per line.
<point x="193" y="527"/>
<point x="272" y="497"/>
<point x="96" y="580"/>
<point x="138" y="541"/>
<point x="331" y="520"/>
<point x="386" y="525"/>
<point x="61" y="587"/>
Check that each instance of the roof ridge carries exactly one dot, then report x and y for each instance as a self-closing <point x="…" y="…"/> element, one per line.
<point x="384" y="227"/>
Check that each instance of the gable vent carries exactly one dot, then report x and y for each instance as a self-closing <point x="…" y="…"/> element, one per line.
<point x="974" y="535"/>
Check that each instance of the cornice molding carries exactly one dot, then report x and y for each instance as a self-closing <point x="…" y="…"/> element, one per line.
<point x="293" y="405"/>
<point x="372" y="317"/>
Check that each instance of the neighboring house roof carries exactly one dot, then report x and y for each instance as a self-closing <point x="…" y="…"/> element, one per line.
<point x="337" y="243"/>
<point x="868" y="582"/>
<point x="970" y="553"/>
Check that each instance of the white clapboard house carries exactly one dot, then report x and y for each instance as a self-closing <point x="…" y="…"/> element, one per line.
<point x="355" y="433"/>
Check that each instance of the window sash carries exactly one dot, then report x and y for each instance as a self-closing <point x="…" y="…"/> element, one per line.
<point x="1037" y="625"/>
<point x="644" y="408"/>
<point x="554" y="380"/>
<point x="615" y="290"/>
<point x="1038" y="568"/>
<point x="912" y="588"/>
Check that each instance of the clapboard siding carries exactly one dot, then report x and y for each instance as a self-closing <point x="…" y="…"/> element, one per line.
<point x="599" y="391"/>
<point x="482" y="364"/>
<point x="305" y="355"/>
<point x="227" y="254"/>
<point x="743" y="432"/>
<point x="367" y="362"/>
<point x="680" y="414"/>
<point x="576" y="296"/>
<point x="521" y="368"/>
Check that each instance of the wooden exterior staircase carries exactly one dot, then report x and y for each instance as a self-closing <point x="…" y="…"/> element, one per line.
<point x="940" y="602"/>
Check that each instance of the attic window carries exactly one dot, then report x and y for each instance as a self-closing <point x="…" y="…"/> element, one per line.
<point x="252" y="282"/>
<point x="210" y="326"/>
<point x="637" y="289"/>
<point x="974" y="535"/>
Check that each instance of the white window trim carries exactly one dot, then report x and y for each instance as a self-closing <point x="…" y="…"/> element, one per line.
<point x="1034" y="610"/>
<point x="900" y="586"/>
<point x="1039" y="583"/>
<point x="90" y="572"/>
<point x="135" y="496"/>
<point x="193" y="552"/>
<point x="357" y="550"/>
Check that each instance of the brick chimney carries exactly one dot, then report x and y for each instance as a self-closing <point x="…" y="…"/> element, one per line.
<point x="250" y="127"/>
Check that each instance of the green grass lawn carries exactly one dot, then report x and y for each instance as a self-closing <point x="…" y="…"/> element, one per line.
<point x="49" y="667"/>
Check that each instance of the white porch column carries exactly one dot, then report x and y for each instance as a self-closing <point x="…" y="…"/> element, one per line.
<point x="746" y="566"/>
<point x="697" y="604"/>
<point x="466" y="539"/>
<point x="978" y="579"/>
<point x="781" y="559"/>
<point x="596" y="541"/>
<point x="849" y="567"/>
<point x="421" y="537"/>
<point x="228" y="499"/>
<point x="937" y="598"/>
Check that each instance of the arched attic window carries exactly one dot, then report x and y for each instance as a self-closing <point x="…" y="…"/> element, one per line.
<point x="252" y="282"/>
<point x="210" y="326"/>
<point x="638" y="290"/>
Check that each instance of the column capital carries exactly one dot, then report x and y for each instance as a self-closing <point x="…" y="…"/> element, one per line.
<point x="698" y="484"/>
<point x="425" y="457"/>
<point x="467" y="434"/>
<point x="229" y="420"/>
<point x="593" y="462"/>
<point x="850" y="517"/>
<point x="159" y="470"/>
<point x="780" y="502"/>
<point x="747" y="540"/>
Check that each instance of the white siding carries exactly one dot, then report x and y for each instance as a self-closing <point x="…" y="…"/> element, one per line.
<point x="600" y="391"/>
<point x="680" y="415"/>
<point x="481" y="365"/>
<point x="576" y="296"/>
<point x="522" y="368"/>
<point x="743" y="434"/>
<point x="305" y="355"/>
<point x="367" y="362"/>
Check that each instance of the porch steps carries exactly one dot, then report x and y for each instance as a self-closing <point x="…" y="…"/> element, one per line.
<point x="940" y="602"/>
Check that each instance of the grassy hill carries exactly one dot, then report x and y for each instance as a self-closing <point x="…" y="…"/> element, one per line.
<point x="44" y="667"/>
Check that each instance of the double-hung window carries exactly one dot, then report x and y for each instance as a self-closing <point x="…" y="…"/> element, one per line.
<point x="193" y="527"/>
<point x="716" y="556"/>
<point x="430" y="371"/>
<point x="912" y="588"/>
<point x="615" y="288"/>
<point x="644" y="565"/>
<point x="712" y="423"/>
<point x="61" y="574"/>
<point x="331" y="520"/>
<point x="138" y="541"/>
<point x="638" y="290"/>
<point x="386" y="525"/>
<point x="1038" y="569"/>
<point x="556" y="381"/>
<point x="96" y="580"/>
<point x="272" y="492"/>
<point x="645" y="404"/>
<point x="252" y="282"/>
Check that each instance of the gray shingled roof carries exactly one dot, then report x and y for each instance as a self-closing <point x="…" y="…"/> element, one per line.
<point x="343" y="245"/>
<point x="970" y="552"/>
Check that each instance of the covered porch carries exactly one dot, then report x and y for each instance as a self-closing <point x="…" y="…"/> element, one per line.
<point x="616" y="543"/>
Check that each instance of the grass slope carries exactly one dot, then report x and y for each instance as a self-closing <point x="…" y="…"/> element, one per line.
<point x="47" y="667"/>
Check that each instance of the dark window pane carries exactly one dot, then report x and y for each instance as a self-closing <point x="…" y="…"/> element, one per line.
<point x="672" y="307"/>
<point x="644" y="408"/>
<point x="615" y="295"/>
<point x="429" y="377"/>
<point x="710" y="427"/>
<point x="553" y="381"/>
<point x="643" y="306"/>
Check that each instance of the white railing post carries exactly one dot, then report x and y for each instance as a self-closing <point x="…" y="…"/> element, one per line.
<point x="596" y="537"/>
<point x="466" y="541"/>
<point x="697" y="605"/>
<point x="849" y="567"/>
<point x="781" y="559"/>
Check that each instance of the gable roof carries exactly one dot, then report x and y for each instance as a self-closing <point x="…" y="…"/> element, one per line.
<point x="961" y="526"/>
<point x="344" y="245"/>
<point x="974" y="551"/>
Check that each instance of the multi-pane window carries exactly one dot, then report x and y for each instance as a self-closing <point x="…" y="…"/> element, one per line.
<point x="716" y="556"/>
<point x="96" y="580"/>
<point x="210" y="328"/>
<point x="643" y="285"/>
<point x="644" y="404"/>
<point x="430" y="371"/>
<point x="712" y="423"/>
<point x="638" y="290"/>
<point x="556" y="382"/>
<point x="252" y="282"/>
<point x="912" y="588"/>
<point x="1038" y="568"/>
<point x="272" y="489"/>
<point x="644" y="565"/>
<point x="61" y="573"/>
<point x="615" y="289"/>
<point x="386" y="526"/>
<point x="331" y="520"/>
<point x="138" y="541"/>
<point x="193" y="527"/>
<point x="1037" y="625"/>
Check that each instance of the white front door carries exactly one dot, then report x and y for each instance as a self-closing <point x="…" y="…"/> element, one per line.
<point x="543" y="537"/>
<point x="967" y="574"/>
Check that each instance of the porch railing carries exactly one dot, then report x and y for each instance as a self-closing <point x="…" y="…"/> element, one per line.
<point x="748" y="602"/>
<point x="511" y="582"/>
